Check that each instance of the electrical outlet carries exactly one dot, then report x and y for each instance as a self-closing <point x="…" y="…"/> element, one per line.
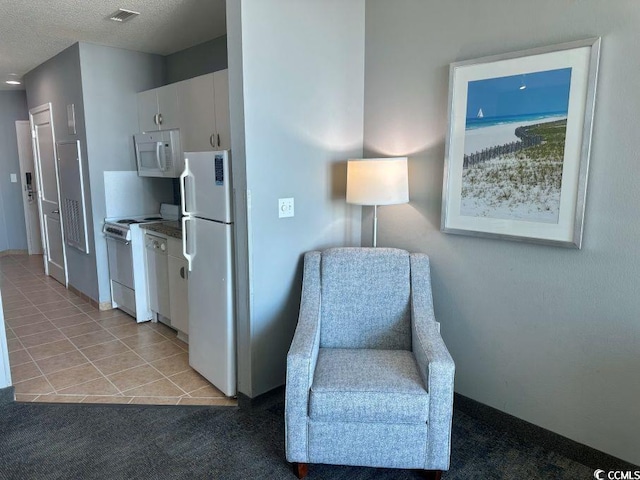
<point x="285" y="207"/>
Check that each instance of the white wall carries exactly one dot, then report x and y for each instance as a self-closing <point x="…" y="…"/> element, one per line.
<point x="546" y="334"/>
<point x="5" y="371"/>
<point x="102" y="83"/>
<point x="111" y="78"/>
<point x="303" y="79"/>
<point x="13" y="235"/>
<point x="58" y="81"/>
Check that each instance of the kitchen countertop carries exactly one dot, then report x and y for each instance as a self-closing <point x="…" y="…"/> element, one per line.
<point x="170" y="229"/>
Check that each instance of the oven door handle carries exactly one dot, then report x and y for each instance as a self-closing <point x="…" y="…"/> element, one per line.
<point x="119" y="240"/>
<point x="185" y="239"/>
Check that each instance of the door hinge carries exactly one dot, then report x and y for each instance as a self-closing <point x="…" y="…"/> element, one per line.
<point x="33" y="134"/>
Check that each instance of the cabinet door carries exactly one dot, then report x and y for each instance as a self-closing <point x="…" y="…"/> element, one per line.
<point x="147" y="110"/>
<point x="168" y="107"/>
<point x="179" y="294"/>
<point x="221" y="82"/>
<point x="197" y="114"/>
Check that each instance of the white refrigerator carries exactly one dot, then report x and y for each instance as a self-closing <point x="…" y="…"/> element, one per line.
<point x="206" y="194"/>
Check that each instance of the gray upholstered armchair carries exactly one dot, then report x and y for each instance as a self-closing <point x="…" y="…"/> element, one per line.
<point x="369" y="379"/>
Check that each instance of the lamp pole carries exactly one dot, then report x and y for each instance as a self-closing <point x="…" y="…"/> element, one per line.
<point x="375" y="225"/>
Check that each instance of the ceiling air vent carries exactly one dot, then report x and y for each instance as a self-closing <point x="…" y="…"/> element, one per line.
<point x="122" y="15"/>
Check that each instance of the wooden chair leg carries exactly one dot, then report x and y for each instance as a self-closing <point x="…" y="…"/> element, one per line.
<point x="301" y="469"/>
<point x="432" y="474"/>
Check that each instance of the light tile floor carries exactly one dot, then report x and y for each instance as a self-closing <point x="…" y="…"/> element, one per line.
<point x="63" y="349"/>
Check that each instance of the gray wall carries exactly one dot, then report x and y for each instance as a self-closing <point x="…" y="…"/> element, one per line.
<point x="204" y="58"/>
<point x="102" y="82"/>
<point x="58" y="81"/>
<point x="111" y="77"/>
<point x="546" y="334"/>
<point x="303" y="112"/>
<point x="13" y="236"/>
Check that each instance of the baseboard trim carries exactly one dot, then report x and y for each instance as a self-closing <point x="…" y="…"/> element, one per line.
<point x="267" y="399"/>
<point x="7" y="395"/>
<point x="84" y="296"/>
<point x="528" y="432"/>
<point x="5" y="253"/>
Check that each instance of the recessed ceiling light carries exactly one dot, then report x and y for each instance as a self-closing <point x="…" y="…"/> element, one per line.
<point x="13" y="79"/>
<point x="122" y="15"/>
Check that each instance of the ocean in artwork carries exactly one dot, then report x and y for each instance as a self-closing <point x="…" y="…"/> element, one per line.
<point x="514" y="141"/>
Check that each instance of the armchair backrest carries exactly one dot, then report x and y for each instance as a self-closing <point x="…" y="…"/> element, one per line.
<point x="365" y="298"/>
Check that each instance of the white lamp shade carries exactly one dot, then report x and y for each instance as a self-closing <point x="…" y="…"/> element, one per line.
<point x="377" y="181"/>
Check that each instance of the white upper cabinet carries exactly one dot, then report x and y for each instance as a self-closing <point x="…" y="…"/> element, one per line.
<point x="221" y="95"/>
<point x="197" y="114"/>
<point x="148" y="110"/>
<point x="199" y="107"/>
<point x="158" y="109"/>
<point x="204" y="112"/>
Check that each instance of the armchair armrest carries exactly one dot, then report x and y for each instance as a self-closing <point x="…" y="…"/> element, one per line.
<point x="301" y="362"/>
<point x="434" y="362"/>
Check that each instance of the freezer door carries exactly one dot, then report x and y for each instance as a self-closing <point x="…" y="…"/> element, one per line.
<point x="206" y="185"/>
<point x="212" y="345"/>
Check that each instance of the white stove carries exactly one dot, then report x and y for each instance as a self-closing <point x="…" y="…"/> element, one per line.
<point x="125" y="247"/>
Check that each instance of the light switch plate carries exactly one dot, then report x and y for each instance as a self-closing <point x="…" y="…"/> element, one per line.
<point x="285" y="207"/>
<point x="14" y="178"/>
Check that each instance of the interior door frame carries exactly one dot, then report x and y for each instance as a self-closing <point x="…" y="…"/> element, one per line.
<point x="36" y="160"/>
<point x="23" y="170"/>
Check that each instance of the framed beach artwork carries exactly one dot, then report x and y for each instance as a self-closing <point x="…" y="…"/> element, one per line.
<point x="517" y="151"/>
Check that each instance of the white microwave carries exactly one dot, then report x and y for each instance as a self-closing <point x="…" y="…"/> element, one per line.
<point x="159" y="154"/>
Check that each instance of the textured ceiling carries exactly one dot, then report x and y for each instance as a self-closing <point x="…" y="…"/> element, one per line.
<point x="32" y="31"/>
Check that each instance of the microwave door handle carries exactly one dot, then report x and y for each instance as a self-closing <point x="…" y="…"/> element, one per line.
<point x="186" y="236"/>
<point x="161" y="157"/>
<point x="158" y="154"/>
<point x="183" y="187"/>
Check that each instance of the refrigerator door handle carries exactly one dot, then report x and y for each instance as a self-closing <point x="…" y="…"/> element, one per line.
<point x="185" y="239"/>
<point x="183" y="187"/>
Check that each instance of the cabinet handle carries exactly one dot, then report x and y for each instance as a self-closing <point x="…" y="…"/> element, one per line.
<point x="155" y="119"/>
<point x="181" y="272"/>
<point x="159" y="119"/>
<point x="212" y="140"/>
<point x="218" y="139"/>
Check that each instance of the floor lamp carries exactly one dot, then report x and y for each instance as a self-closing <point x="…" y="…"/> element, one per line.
<point x="375" y="182"/>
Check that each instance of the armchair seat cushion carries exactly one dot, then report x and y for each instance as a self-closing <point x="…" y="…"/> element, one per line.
<point x="362" y="385"/>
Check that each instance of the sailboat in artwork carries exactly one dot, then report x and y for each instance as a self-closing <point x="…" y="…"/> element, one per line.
<point x="480" y="114"/>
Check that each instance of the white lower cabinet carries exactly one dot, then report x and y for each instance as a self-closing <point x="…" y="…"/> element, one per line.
<point x="179" y="294"/>
<point x="167" y="281"/>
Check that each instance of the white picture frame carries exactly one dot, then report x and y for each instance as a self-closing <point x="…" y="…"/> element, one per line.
<point x="518" y="144"/>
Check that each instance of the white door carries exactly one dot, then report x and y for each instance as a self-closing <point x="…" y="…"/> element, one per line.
<point x="212" y="344"/>
<point x="29" y="189"/>
<point x="48" y="195"/>
<point x="206" y="186"/>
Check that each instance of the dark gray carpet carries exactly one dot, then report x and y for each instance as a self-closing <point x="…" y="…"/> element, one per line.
<point x="48" y="441"/>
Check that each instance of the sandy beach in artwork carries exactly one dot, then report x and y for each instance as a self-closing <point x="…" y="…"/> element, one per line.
<point x="523" y="185"/>
<point x="477" y="139"/>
